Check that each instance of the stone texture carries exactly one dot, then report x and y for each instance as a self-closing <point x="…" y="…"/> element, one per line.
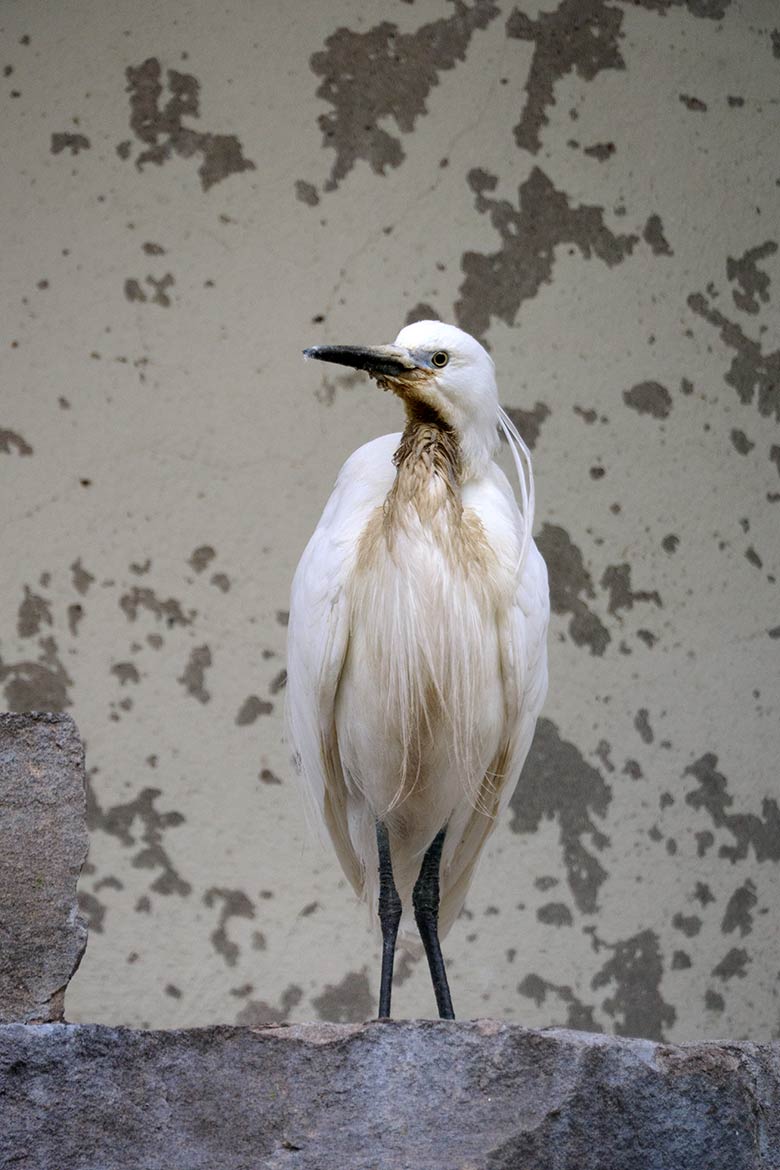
<point x="415" y="1095"/>
<point x="43" y="845"/>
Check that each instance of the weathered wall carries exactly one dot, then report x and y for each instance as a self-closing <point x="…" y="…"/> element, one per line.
<point x="192" y="193"/>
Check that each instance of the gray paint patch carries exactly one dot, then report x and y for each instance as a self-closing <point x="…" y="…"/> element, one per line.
<point x="169" y="610"/>
<point x="753" y="281"/>
<point x="555" y="914"/>
<point x="617" y="580"/>
<point x="747" y="829"/>
<point x="601" y="151"/>
<point x="642" y="724"/>
<point x="34" y="612"/>
<point x="689" y="924"/>
<point x="93" y="910"/>
<point x="368" y="77"/>
<point x="251" y="708"/>
<point x="162" y="132"/>
<point x="636" y="970"/>
<point x="422" y="311"/>
<point x="82" y="579"/>
<point x="579" y="35"/>
<point x="306" y="193"/>
<point x="653" y="235"/>
<point x="579" y="1015"/>
<point x="201" y="557"/>
<point x="120" y="820"/>
<point x="741" y="442"/>
<point x="75" y="613"/>
<point x="234" y="904"/>
<point x="12" y="440"/>
<point x="570" y="582"/>
<point x="37" y="686"/>
<point x="194" y="676"/>
<point x="350" y="1001"/>
<point x="558" y="783"/>
<point x="496" y="284"/>
<point x="705" y="9"/>
<point x="753" y="373"/>
<point x="732" y="965"/>
<point x="739" y="910"/>
<point x="257" y="1013"/>
<point x="72" y="142"/>
<point x="649" y="398"/>
<point x="529" y="422"/>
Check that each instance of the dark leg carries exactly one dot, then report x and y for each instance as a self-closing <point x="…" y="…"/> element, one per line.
<point x="426" y="912"/>
<point x="389" y="917"/>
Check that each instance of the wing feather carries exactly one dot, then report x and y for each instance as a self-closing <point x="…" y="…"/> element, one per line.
<point x="318" y="640"/>
<point x="523" y="644"/>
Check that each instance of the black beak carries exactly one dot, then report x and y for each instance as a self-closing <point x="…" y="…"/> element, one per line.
<point x="385" y="360"/>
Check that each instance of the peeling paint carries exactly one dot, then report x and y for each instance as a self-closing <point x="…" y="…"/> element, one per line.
<point x="120" y="821"/>
<point x="370" y="77"/>
<point x="41" y="685"/>
<point x="558" y="782"/>
<point x="753" y="282"/>
<point x="579" y="35"/>
<point x="529" y="422"/>
<point x="754" y="375"/>
<point x="570" y="583"/>
<point x="497" y="284"/>
<point x="12" y="440"/>
<point x="733" y="965"/>
<point x="747" y="829"/>
<point x="163" y="133"/>
<point x="649" y="398"/>
<point x="34" y="612"/>
<point x="257" y="1013"/>
<point x="201" y="557"/>
<point x="169" y="610"/>
<point x="66" y="141"/>
<point x="617" y="580"/>
<point x="194" y="676"/>
<point x="234" y="904"/>
<point x="349" y="1001"/>
<point x="251" y="709"/>
<point x="739" y="910"/>
<point x="578" y="1014"/>
<point x="636" y="970"/>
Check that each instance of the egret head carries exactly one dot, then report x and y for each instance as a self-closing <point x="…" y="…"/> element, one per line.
<point x="442" y="374"/>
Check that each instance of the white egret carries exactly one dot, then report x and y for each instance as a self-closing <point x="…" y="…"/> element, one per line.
<point x="417" y="661"/>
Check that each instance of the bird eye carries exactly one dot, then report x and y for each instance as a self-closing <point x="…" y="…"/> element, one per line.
<point x="440" y="358"/>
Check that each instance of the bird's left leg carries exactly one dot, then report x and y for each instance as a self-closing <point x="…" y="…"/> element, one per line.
<point x="425" y="899"/>
<point x="389" y="917"/>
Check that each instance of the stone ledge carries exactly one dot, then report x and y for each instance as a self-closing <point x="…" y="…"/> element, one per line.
<point x="414" y="1095"/>
<point x="43" y="845"/>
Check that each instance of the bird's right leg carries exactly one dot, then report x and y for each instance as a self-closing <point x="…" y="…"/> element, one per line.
<point x="389" y="917"/>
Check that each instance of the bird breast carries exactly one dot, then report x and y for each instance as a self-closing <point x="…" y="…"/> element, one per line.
<point x="420" y="706"/>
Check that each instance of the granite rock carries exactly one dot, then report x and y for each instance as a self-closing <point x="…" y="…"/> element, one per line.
<point x="415" y="1095"/>
<point x="43" y="845"/>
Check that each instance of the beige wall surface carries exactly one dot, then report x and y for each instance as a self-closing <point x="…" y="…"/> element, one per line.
<point x="193" y="192"/>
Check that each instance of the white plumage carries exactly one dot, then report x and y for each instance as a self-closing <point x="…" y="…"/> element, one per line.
<point x="417" y="660"/>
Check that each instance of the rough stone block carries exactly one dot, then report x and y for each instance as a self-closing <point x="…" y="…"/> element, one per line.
<point x="43" y="845"/>
<point x="415" y="1095"/>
